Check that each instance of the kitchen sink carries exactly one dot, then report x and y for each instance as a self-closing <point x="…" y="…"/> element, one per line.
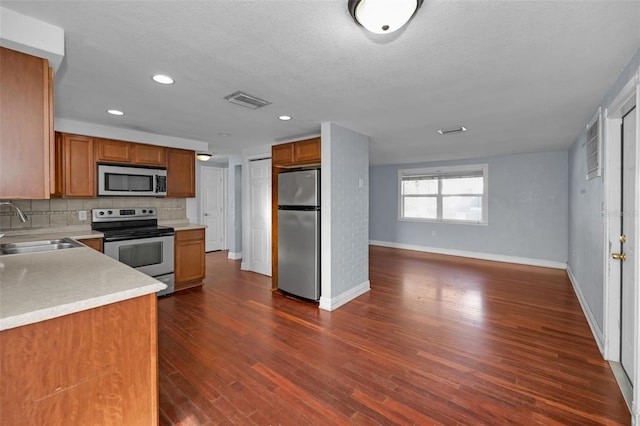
<point x="38" y="246"/>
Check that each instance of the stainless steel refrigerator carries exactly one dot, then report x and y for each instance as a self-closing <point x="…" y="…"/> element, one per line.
<point x="299" y="233"/>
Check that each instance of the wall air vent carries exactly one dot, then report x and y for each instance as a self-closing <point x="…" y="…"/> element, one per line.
<point x="246" y="100"/>
<point x="593" y="146"/>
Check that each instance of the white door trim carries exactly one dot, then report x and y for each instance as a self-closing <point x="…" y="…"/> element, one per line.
<point x="224" y="201"/>
<point x="611" y="309"/>
<point x="247" y="261"/>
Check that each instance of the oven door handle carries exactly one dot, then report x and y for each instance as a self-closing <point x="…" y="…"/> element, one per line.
<point x="137" y="237"/>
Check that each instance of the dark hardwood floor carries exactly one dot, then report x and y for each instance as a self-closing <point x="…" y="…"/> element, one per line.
<point x="437" y="340"/>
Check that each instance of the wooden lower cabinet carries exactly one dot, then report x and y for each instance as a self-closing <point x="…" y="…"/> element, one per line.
<point x="94" y="243"/>
<point x="93" y="367"/>
<point x="190" y="266"/>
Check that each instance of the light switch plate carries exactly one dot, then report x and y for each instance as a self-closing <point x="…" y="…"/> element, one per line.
<point x="82" y="215"/>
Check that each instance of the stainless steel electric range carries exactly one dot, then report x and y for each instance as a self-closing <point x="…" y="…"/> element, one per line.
<point x="132" y="236"/>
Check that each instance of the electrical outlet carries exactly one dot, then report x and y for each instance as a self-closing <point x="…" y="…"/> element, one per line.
<point x="82" y="215"/>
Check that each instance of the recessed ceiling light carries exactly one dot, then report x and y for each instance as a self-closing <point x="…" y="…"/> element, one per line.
<point x="162" y="79"/>
<point x="115" y="112"/>
<point x="456" y="130"/>
<point x="284" y="118"/>
<point x="224" y="135"/>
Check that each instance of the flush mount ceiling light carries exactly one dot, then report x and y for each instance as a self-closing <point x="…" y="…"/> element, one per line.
<point x="383" y="16"/>
<point x="115" y="112"/>
<point x="284" y="118"/>
<point x="203" y="156"/>
<point x="162" y="79"/>
<point x="456" y="130"/>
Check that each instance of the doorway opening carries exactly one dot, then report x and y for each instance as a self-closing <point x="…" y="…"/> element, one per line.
<point x="622" y="239"/>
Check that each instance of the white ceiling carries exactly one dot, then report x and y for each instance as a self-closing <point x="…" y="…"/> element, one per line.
<point x="522" y="76"/>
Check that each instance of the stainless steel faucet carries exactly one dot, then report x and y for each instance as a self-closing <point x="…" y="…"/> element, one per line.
<point x="23" y="215"/>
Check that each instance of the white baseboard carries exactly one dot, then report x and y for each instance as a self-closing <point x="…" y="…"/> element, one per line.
<point x="234" y="255"/>
<point x="593" y="324"/>
<point x="335" y="302"/>
<point x="245" y="266"/>
<point x="474" y="255"/>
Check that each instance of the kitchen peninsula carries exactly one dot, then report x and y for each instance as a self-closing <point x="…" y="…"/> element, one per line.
<point x="78" y="340"/>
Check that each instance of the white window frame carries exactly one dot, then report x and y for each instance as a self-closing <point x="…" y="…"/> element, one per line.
<point x="471" y="168"/>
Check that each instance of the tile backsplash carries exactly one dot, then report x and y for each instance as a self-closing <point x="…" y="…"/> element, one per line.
<point x="59" y="212"/>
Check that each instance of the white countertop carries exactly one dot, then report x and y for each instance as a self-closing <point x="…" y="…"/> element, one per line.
<point x="51" y="235"/>
<point x="39" y="286"/>
<point x="188" y="227"/>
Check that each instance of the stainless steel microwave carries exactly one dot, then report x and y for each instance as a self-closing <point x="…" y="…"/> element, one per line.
<point x="114" y="180"/>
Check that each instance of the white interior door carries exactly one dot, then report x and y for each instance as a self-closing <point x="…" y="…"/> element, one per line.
<point x="628" y="244"/>
<point x="213" y="207"/>
<point x="260" y="210"/>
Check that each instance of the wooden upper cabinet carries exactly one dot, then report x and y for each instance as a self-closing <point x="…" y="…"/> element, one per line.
<point x="282" y="154"/>
<point x="181" y="173"/>
<point x="149" y="155"/>
<point x="113" y="151"/>
<point x="293" y="154"/>
<point x="76" y="166"/>
<point x="26" y="127"/>
<point x="307" y="151"/>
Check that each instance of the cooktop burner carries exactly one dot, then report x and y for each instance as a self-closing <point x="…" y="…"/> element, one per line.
<point x="128" y="224"/>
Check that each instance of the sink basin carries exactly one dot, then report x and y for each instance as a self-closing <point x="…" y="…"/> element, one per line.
<point x="38" y="246"/>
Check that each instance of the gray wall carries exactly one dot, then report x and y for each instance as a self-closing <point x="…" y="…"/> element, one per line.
<point x="527" y="209"/>
<point x="586" y="219"/>
<point x="345" y="210"/>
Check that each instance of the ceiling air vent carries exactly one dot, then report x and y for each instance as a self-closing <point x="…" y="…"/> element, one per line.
<point x="593" y="147"/>
<point x="246" y="100"/>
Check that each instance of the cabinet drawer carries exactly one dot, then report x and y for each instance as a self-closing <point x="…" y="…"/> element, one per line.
<point x="191" y="234"/>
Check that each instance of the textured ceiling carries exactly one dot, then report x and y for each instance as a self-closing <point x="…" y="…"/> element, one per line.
<point x="522" y="76"/>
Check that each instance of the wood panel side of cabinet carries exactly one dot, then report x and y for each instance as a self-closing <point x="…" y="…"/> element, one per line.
<point x="307" y="151"/>
<point x="52" y="138"/>
<point x="282" y="155"/>
<point x="98" y="366"/>
<point x="94" y="243"/>
<point x="78" y="167"/>
<point x="25" y="128"/>
<point x="149" y="155"/>
<point x="190" y="267"/>
<point x="181" y="173"/>
<point x="58" y="165"/>
<point x="108" y="150"/>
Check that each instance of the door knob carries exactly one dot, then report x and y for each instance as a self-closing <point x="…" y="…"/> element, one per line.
<point x="619" y="256"/>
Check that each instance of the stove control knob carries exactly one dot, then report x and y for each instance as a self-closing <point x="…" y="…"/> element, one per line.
<point x="150" y="211"/>
<point x="109" y="212"/>
<point x="144" y="211"/>
<point x="101" y="213"/>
